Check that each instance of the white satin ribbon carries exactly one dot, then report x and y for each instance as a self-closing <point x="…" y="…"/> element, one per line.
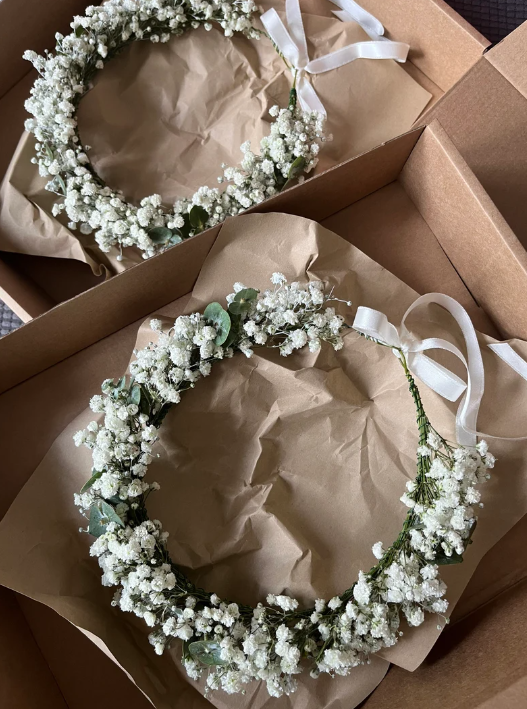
<point x="291" y="42"/>
<point x="352" y="12"/>
<point x="434" y="375"/>
<point x="512" y="358"/>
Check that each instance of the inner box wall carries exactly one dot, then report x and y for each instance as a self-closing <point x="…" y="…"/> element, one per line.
<point x="19" y="656"/>
<point x="69" y="653"/>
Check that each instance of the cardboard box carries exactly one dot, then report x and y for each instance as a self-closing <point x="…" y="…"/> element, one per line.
<point x="385" y="202"/>
<point x="443" y="48"/>
<point x="485" y="115"/>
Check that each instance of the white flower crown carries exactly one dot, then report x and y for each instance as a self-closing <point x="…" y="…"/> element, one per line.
<point x="238" y="643"/>
<point x="286" y="154"/>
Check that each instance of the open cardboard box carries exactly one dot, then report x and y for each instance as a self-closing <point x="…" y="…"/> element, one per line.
<point x="443" y="48"/>
<point x="485" y="115"/>
<point x="413" y="206"/>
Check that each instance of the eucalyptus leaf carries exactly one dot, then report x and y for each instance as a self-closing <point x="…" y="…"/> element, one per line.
<point x="135" y="395"/>
<point x="48" y="151"/>
<point x="184" y="230"/>
<point x="243" y="300"/>
<point x="159" y="234"/>
<point x="101" y="514"/>
<point x="119" y="387"/>
<point x="198" y="217"/>
<point x="176" y="238"/>
<point x="62" y="184"/>
<point x="296" y="169"/>
<point x="234" y="332"/>
<point x="220" y="320"/>
<point x="208" y="652"/>
<point x="90" y="482"/>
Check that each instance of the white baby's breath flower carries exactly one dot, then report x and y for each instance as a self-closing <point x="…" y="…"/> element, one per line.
<point x="378" y="550"/>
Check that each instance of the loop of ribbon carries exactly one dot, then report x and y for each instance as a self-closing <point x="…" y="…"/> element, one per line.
<point x="440" y="379"/>
<point x="291" y="42"/>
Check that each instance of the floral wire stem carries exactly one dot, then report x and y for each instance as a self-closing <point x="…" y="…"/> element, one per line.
<point x="287" y="154"/>
<point x="271" y="642"/>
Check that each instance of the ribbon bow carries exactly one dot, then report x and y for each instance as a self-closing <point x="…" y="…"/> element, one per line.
<point x="291" y="42"/>
<point x="440" y="379"/>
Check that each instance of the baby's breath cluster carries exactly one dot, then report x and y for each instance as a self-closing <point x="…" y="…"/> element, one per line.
<point x="234" y="644"/>
<point x="91" y="205"/>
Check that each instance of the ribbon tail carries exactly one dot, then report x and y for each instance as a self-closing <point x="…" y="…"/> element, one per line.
<point x="510" y="357"/>
<point x="359" y="50"/>
<point x="307" y="96"/>
<point x="353" y="12"/>
<point x="343" y="16"/>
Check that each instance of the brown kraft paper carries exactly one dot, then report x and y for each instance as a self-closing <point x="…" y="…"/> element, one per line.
<point x="277" y="474"/>
<point x="163" y="118"/>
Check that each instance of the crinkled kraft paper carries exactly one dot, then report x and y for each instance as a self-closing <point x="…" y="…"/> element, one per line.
<point x="163" y="118"/>
<point x="277" y="474"/>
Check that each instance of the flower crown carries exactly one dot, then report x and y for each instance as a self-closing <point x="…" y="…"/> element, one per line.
<point x="234" y="643"/>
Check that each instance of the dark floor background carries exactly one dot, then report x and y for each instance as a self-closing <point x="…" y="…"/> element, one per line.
<point x="493" y="18"/>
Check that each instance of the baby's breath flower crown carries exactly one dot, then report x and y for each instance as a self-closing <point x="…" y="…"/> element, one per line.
<point x="235" y="643"/>
<point x="290" y="150"/>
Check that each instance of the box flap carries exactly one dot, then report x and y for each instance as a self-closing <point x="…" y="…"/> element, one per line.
<point x="485" y="115"/>
<point x="486" y="253"/>
<point x="70" y="656"/>
<point x="509" y="57"/>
